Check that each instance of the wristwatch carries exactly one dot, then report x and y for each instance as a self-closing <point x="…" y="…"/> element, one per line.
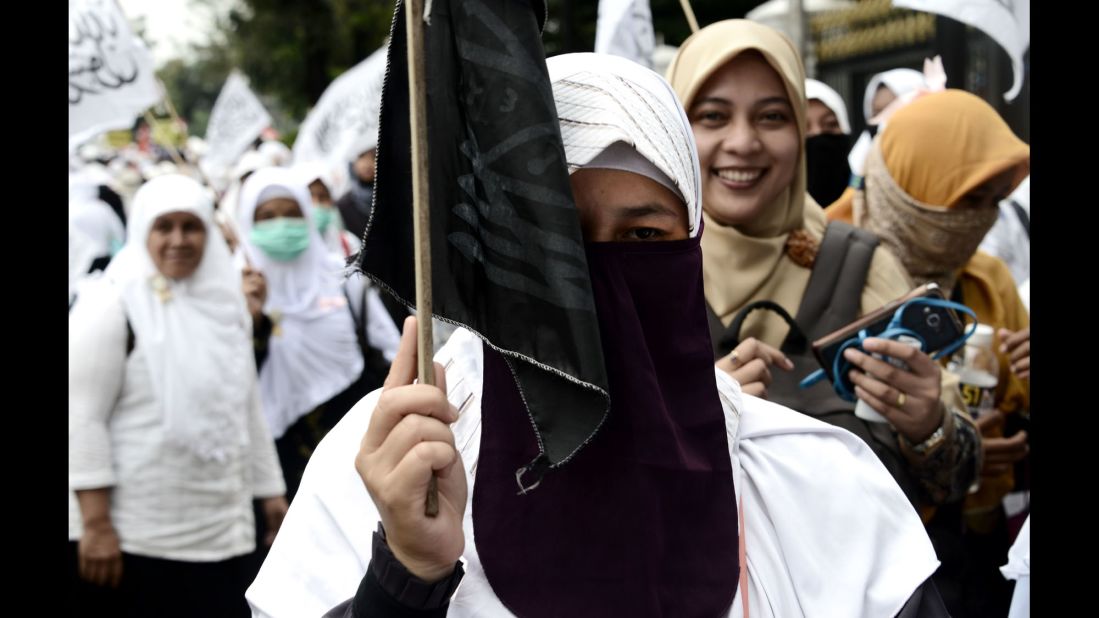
<point x="931" y="443"/>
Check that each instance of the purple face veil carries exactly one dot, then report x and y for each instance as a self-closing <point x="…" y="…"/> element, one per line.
<point x="643" y="521"/>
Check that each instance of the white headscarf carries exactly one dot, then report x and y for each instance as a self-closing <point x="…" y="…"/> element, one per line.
<point x="98" y="223"/>
<point x="197" y="338"/>
<point x="314" y="353"/>
<point x="316" y="170"/>
<point x="86" y="182"/>
<point x="820" y="91"/>
<point x="603" y="99"/>
<point x="95" y="231"/>
<point x="899" y="82"/>
<point x="81" y="255"/>
<point x="276" y="153"/>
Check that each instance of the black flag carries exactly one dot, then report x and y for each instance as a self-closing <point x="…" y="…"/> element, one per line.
<point x="507" y="255"/>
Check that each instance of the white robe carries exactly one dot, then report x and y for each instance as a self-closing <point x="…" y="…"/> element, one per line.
<point x="828" y="531"/>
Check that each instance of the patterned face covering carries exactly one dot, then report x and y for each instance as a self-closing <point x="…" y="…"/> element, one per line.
<point x="932" y="242"/>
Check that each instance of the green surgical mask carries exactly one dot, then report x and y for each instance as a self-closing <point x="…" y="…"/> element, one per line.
<point x="323" y="217"/>
<point x="282" y="239"/>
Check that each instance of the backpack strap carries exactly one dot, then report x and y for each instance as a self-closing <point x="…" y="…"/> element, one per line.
<point x="833" y="296"/>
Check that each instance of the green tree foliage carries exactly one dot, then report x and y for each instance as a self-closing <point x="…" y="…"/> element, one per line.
<point x="194" y="85"/>
<point x="292" y="49"/>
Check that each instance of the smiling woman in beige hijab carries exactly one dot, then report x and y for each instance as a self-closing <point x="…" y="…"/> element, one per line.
<point x="770" y="254"/>
<point x="742" y="85"/>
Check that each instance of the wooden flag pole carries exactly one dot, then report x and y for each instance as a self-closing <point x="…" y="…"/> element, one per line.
<point x="421" y="228"/>
<point x="179" y="123"/>
<point x="171" y="108"/>
<point x="171" y="148"/>
<point x="689" y="12"/>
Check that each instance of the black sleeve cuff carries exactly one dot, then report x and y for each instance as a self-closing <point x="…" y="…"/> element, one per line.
<point x="389" y="590"/>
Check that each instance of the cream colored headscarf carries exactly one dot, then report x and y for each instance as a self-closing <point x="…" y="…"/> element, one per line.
<point x="914" y="177"/>
<point x="750" y="262"/>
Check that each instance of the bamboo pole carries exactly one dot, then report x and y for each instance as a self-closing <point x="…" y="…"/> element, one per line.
<point x="164" y="96"/>
<point x="421" y="223"/>
<point x="171" y="147"/>
<point x="689" y="12"/>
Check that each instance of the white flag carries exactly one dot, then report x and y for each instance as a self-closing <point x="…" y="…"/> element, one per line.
<point x="344" y="122"/>
<point x="625" y="28"/>
<point x="235" y="122"/>
<point x="1006" y="21"/>
<point x="111" y="79"/>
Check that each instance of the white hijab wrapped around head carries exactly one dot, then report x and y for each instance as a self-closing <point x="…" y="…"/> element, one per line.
<point x="95" y="231"/>
<point x="197" y="337"/>
<point x="314" y="353"/>
<point x="276" y="153"/>
<point x="316" y="170"/>
<point x="819" y="91"/>
<point x="899" y="82"/>
<point x="98" y="223"/>
<point x="604" y="101"/>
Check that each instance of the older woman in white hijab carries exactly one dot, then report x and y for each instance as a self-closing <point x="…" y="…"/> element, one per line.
<point x="795" y="477"/>
<point x="167" y="445"/>
<point x="321" y="343"/>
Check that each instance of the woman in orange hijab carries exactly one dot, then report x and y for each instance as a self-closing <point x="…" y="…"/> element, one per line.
<point x="934" y="177"/>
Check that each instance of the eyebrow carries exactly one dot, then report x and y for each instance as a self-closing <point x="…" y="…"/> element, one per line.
<point x="720" y="101"/>
<point x="645" y="210"/>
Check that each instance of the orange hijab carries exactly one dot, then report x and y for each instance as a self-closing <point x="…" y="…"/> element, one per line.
<point x="931" y="154"/>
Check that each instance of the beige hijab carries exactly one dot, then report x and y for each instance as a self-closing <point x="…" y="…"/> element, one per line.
<point x="745" y="263"/>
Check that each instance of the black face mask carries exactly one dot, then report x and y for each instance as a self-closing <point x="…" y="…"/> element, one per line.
<point x="828" y="170"/>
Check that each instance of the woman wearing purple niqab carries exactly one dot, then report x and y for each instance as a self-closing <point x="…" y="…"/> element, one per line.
<point x="643" y="520"/>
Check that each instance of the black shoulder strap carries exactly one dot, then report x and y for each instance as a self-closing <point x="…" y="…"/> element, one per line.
<point x="130" y="341"/>
<point x="374" y="362"/>
<point x="731" y="337"/>
<point x="358" y="317"/>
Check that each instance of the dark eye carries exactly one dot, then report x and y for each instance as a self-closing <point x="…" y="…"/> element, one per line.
<point x="710" y="117"/>
<point x="773" y="117"/>
<point x="644" y="233"/>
